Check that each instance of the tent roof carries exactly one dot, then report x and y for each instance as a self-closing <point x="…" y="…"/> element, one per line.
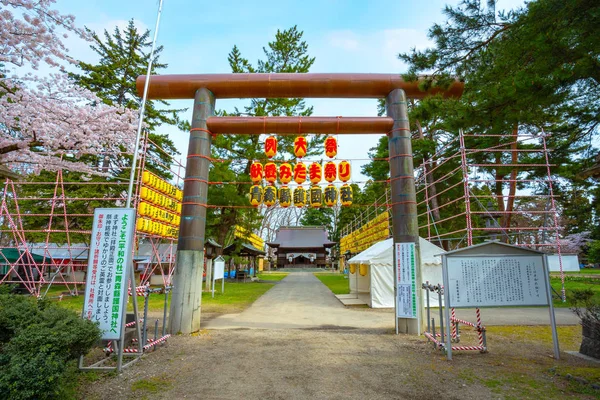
<point x="76" y="251"/>
<point x="381" y="254"/>
<point x="12" y="255"/>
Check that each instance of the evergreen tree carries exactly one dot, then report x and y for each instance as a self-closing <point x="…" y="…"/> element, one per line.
<point x="287" y="53"/>
<point x="124" y="55"/>
<point x="319" y="217"/>
<point x="526" y="70"/>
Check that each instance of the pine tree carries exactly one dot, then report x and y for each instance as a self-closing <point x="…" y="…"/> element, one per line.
<point x="526" y="70"/>
<point x="287" y="53"/>
<point x="124" y="55"/>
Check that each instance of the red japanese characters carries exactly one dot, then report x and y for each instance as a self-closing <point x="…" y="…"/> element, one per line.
<point x="300" y="146"/>
<point x="330" y="146"/>
<point x="271" y="146"/>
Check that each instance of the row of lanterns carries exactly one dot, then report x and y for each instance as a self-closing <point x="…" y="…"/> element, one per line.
<point x="315" y="196"/>
<point x="301" y="146"/>
<point x="269" y="172"/>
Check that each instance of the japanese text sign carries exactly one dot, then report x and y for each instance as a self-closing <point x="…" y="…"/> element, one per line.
<point x="108" y="267"/>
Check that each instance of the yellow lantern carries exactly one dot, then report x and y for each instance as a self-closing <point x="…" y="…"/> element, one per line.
<point x="330" y="171"/>
<point x="330" y="146"/>
<point x="270" y="195"/>
<point x="146" y="177"/>
<point x="346" y="195"/>
<point x="352" y="269"/>
<point x="314" y="172"/>
<point x="299" y="197"/>
<point x="256" y="195"/>
<point x="330" y="195"/>
<point x="316" y="197"/>
<point x="270" y="172"/>
<point x="300" y="146"/>
<point x="285" y="196"/>
<point x="300" y="173"/>
<point x="256" y="172"/>
<point x="344" y="171"/>
<point x="271" y="146"/>
<point x="362" y="269"/>
<point x="139" y="225"/>
<point x="285" y="173"/>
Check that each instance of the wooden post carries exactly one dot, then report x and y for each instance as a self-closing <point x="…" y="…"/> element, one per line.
<point x="187" y="283"/>
<point x="403" y="196"/>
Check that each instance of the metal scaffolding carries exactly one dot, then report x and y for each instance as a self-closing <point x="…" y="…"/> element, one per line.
<point x="61" y="258"/>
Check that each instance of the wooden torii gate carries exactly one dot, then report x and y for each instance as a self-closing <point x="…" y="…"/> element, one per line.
<point x="205" y="88"/>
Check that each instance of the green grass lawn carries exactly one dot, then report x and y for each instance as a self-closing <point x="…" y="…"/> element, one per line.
<point x="237" y="297"/>
<point x="570" y="285"/>
<point x="585" y="271"/>
<point x="337" y="283"/>
<point x="272" y="276"/>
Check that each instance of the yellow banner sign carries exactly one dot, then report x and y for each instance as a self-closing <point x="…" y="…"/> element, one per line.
<point x="374" y="231"/>
<point x="250" y="237"/>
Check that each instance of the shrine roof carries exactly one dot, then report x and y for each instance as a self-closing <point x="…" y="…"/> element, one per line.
<point x="301" y="237"/>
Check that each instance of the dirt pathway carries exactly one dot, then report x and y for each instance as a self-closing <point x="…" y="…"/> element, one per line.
<point x="301" y="301"/>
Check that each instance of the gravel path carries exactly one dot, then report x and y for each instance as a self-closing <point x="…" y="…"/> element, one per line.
<point x="301" y="301"/>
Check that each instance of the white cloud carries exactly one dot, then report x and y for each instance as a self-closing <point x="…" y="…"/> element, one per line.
<point x="373" y="51"/>
<point x="346" y="40"/>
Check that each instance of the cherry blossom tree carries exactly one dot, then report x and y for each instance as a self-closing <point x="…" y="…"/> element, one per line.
<point x="46" y="121"/>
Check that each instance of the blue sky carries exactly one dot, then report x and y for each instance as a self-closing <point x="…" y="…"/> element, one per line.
<point x="343" y="35"/>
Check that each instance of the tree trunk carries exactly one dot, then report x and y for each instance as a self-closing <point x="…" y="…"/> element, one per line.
<point x="499" y="186"/>
<point x="429" y="181"/>
<point x="513" y="179"/>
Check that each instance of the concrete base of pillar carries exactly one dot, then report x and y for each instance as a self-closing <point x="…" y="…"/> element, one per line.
<point x="186" y="297"/>
<point x="408" y="326"/>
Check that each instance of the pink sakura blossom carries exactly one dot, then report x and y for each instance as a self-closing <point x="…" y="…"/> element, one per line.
<point x="43" y="120"/>
<point x="29" y="33"/>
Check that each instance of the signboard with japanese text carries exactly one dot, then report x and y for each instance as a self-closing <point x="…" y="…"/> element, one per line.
<point x="493" y="281"/>
<point x="219" y="269"/>
<point x="108" y="267"/>
<point x="406" y="278"/>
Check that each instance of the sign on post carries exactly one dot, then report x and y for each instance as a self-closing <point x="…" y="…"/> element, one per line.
<point x="218" y="273"/>
<point x="108" y="269"/>
<point x="495" y="274"/>
<point x="406" y="281"/>
<point x="496" y="281"/>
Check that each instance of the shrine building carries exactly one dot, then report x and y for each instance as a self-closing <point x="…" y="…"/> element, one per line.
<point x="301" y="246"/>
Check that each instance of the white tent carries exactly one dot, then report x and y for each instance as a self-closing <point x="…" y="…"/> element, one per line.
<point x="372" y="275"/>
<point x="570" y="262"/>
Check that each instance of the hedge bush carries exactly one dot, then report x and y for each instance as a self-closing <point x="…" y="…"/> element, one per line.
<point x="39" y="342"/>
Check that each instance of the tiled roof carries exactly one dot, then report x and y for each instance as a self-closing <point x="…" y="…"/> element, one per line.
<point x="302" y="236"/>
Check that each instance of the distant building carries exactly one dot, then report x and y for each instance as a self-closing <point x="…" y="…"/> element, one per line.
<point x="301" y="246"/>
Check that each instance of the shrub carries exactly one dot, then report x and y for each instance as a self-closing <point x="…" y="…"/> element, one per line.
<point x="38" y="343"/>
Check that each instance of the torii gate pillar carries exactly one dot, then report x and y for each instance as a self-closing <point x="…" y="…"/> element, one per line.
<point x="187" y="291"/>
<point x="403" y="197"/>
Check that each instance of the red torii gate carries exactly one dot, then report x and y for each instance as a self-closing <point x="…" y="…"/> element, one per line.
<point x="205" y="88"/>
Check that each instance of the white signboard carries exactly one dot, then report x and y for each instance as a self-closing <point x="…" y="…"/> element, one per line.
<point x="406" y="276"/>
<point x="108" y="268"/>
<point x="491" y="281"/>
<point x="219" y="272"/>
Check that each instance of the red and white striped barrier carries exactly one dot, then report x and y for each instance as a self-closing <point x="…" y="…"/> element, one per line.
<point x="157" y="341"/>
<point x="148" y="346"/>
<point x="480" y="348"/>
<point x="453" y="318"/>
<point x="132" y="323"/>
<point x="139" y="290"/>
